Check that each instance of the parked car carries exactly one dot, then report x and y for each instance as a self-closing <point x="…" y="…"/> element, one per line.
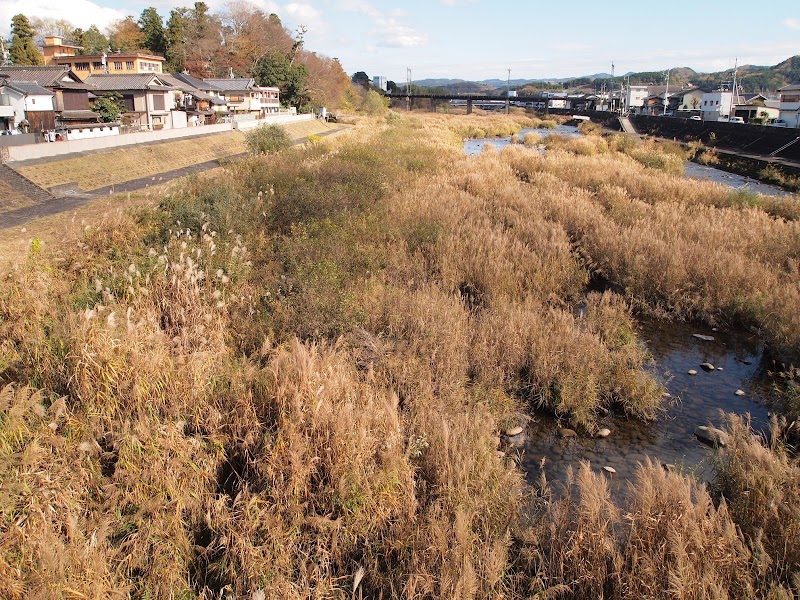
<point x="779" y="123"/>
<point x="695" y="118"/>
<point x="736" y="120"/>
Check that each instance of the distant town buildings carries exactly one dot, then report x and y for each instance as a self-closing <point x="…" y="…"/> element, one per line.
<point x="379" y="81"/>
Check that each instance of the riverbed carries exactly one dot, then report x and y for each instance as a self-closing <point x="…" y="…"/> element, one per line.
<point x="737" y="384"/>
<point x="691" y="401"/>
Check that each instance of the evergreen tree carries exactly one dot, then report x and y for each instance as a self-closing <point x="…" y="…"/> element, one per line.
<point x="278" y="71"/>
<point x="177" y="34"/>
<point x="93" y="41"/>
<point x="23" y="50"/>
<point x="155" y="39"/>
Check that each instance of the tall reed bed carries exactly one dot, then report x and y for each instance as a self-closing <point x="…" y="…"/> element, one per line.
<point x="291" y="381"/>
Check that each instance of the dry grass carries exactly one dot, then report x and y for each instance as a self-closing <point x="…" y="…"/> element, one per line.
<point x="93" y="171"/>
<point x="11" y="199"/>
<point x="289" y="380"/>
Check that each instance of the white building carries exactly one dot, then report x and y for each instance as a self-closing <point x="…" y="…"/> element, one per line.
<point x="27" y="104"/>
<point x="635" y="95"/>
<point x="716" y="105"/>
<point x="789" y="107"/>
<point x="379" y="81"/>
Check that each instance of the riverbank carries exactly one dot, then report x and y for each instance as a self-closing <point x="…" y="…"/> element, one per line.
<point x="298" y="378"/>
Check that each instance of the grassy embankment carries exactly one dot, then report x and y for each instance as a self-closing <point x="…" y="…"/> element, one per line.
<point x="292" y="378"/>
<point x="103" y="168"/>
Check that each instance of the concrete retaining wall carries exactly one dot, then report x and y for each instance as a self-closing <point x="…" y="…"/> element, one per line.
<point x="35" y="151"/>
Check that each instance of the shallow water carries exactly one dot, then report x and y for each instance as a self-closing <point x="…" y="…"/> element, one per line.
<point x="739" y="182"/>
<point x="474" y="146"/>
<point x="693" y="400"/>
<point x="692" y="170"/>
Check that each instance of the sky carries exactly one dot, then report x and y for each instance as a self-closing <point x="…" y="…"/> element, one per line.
<point x="483" y="39"/>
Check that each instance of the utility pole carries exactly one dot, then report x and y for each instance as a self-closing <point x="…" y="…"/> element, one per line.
<point x="508" y="92"/>
<point x="666" y="93"/>
<point x="408" y="89"/>
<point x="611" y="93"/>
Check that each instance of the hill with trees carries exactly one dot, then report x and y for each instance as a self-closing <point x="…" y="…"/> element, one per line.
<point x="751" y="78"/>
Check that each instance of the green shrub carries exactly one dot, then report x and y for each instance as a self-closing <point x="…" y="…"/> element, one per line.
<point x="268" y="139"/>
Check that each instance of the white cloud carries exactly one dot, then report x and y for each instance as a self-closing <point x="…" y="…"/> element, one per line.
<point x="394" y="35"/>
<point x="360" y="7"/>
<point x="305" y="14"/>
<point x="792" y="23"/>
<point x="81" y="13"/>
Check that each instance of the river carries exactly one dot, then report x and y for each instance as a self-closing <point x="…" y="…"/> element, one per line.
<point x="738" y="384"/>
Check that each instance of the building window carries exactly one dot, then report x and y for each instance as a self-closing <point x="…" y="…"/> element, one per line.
<point x="117" y="66"/>
<point x="236" y="99"/>
<point x="81" y="66"/>
<point x="97" y="66"/>
<point x="786" y="98"/>
<point x="129" y="65"/>
<point x="158" y="101"/>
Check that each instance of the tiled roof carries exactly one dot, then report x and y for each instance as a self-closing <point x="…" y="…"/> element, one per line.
<point x="44" y="76"/>
<point x="237" y="84"/>
<point x="176" y="83"/>
<point x="137" y="81"/>
<point x="790" y="88"/>
<point x="197" y="83"/>
<point x="80" y="115"/>
<point x="29" y="89"/>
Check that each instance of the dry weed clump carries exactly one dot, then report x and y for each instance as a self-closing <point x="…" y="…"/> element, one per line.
<point x="290" y="381"/>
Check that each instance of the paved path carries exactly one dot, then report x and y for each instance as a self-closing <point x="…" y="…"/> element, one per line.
<point x="71" y="201"/>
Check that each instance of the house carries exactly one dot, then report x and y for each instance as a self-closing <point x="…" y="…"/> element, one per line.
<point x="55" y="48"/>
<point x="690" y="101"/>
<point x="198" y="98"/>
<point x="654" y="103"/>
<point x="71" y="96"/>
<point x="85" y="65"/>
<point x="756" y="107"/>
<point x="242" y="95"/>
<point x="635" y="96"/>
<point x="789" y="109"/>
<point x="31" y="106"/>
<point x="717" y="105"/>
<point x="148" y="99"/>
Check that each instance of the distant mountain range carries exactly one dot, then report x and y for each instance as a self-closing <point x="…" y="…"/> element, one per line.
<point x="752" y="78"/>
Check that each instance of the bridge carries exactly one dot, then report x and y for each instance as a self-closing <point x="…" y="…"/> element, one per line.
<point x="541" y="101"/>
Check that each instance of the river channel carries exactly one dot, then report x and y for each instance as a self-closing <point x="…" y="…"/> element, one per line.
<point x="737" y="384"/>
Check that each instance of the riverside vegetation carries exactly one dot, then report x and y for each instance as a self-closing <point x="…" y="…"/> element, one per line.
<point x="290" y="380"/>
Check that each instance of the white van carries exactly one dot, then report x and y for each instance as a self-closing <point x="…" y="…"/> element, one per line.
<point x="736" y="120"/>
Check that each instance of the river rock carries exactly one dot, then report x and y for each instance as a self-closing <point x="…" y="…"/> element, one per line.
<point x="711" y="435"/>
<point x="739" y="392"/>
<point x="604" y="432"/>
<point x="720" y="369"/>
<point x="707" y="366"/>
<point x="692" y="372"/>
<point x="668" y="467"/>
<point x="608" y="469"/>
<point x="566" y="433"/>
<point x="705" y="338"/>
<point x="512" y="431"/>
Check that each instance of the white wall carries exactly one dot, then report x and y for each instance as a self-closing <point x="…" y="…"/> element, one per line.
<point x="32" y="151"/>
